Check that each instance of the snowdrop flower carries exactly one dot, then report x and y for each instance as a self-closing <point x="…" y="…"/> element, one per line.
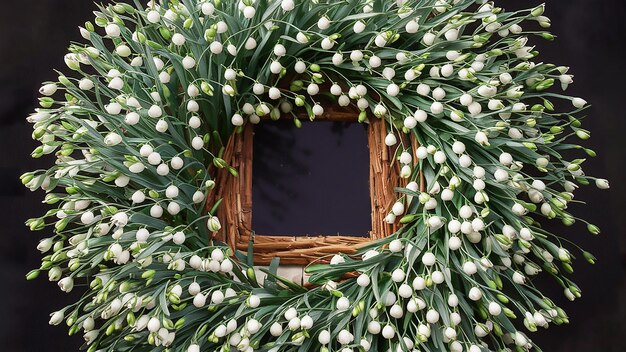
<point x="56" y="318"/>
<point x="405" y="158"/>
<point x="276" y="330"/>
<point x="66" y="284"/>
<point x="324" y="337"/>
<point x="249" y="12"/>
<point x="363" y="280"/>
<point x="279" y="50"/>
<point x="439" y="93"/>
<point x="287" y="5"/>
<point x="213" y="224"/>
<point x="481" y="138"/>
<point x="423" y="89"/>
<point x="388" y="332"/>
<point x="429" y="39"/>
<point x="487" y="91"/>
<point x="439" y="157"/>
<point x="412" y="27"/>
<point x="380" y="40"/>
<point x="393" y="90"/>
<point x="602" y="183"/>
<point x="85" y="84"/>
<point x="390" y="140"/>
<point x="323" y="23"/>
<point x="519" y="209"/>
<point x="155" y="111"/>
<point x="358" y="27"/>
<point x="469" y="268"/>
<point x="237" y="120"/>
<point x="343" y="304"/>
<point x="475" y="294"/>
<point x="317" y="109"/>
<point x="506" y="159"/>
<point x="177" y="163"/>
<point x="276" y="67"/>
<point x="250" y="44"/>
<point x="410" y="122"/>
<point x="112" y="30"/>
<point x="466" y="99"/>
<point x="327" y="43"/>
<point x="337" y="59"/>
<point x="447" y="70"/>
<point x="398" y="275"/>
<point x="306" y="322"/>
<point x="345" y="337"/>
<point x="146" y="150"/>
<point x="193" y="91"/>
<point x="337" y="259"/>
<point x="389" y="73"/>
<point x="398" y="208"/>
<point x="375" y="61"/>
<point x="112" y="139"/>
<point x="429" y="259"/>
<point x="216" y="47"/>
<point x="436" y="108"/>
<point x="579" y="103"/>
<point x="48" y="89"/>
<point x="396" y="311"/>
<point x="161" y="126"/>
<point x="113" y="108"/>
<point x="153" y="16"/>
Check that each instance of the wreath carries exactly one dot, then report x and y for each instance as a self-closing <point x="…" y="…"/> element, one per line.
<point x="138" y="133"/>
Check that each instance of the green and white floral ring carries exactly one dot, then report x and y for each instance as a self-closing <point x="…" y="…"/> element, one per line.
<point x="154" y="91"/>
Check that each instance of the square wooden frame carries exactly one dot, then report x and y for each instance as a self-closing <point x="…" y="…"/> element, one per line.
<point x="236" y="194"/>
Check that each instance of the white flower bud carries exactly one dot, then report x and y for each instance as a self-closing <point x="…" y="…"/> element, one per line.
<point x="249" y="12"/>
<point x="363" y="280"/>
<point x="429" y="259"/>
<point x="375" y="61"/>
<point x="439" y="157"/>
<point x="327" y="43"/>
<point x="161" y="126"/>
<point x="412" y="27"/>
<point x="398" y="275"/>
<point x="393" y="90"/>
<point x="519" y="209"/>
<point x="380" y="41"/>
<point x="112" y="30"/>
<point x="276" y="329"/>
<point x="579" y="103"/>
<point x="317" y="109"/>
<point x="389" y="332"/>
<point x="475" y="294"/>
<point x="359" y="27"/>
<point x="216" y="47"/>
<point x="214" y="224"/>
<point x="390" y="140"/>
<point x="454" y="243"/>
<point x="481" y="138"/>
<point x="602" y="183"/>
<point x="396" y="311"/>
<point x="177" y="163"/>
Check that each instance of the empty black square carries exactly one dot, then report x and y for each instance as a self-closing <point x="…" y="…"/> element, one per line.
<point x="312" y="180"/>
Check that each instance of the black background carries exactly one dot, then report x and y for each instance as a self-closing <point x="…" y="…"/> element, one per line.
<point x="312" y="180"/>
<point x="35" y="33"/>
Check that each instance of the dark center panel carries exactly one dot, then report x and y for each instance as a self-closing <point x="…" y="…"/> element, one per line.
<point x="312" y="180"/>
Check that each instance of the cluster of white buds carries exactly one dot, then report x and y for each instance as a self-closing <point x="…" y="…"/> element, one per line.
<point x="217" y="262"/>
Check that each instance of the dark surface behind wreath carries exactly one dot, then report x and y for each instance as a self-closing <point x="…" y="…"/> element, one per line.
<point x="592" y="35"/>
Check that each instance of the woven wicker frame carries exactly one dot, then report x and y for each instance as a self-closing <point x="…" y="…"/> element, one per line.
<point x="236" y="194"/>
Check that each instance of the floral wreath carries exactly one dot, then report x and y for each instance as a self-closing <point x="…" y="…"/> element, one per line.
<point x="157" y="89"/>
